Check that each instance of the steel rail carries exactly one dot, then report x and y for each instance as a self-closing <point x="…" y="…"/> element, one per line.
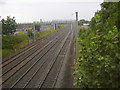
<point x="29" y="69"/>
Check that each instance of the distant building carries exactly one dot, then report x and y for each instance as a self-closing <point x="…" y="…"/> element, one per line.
<point x="24" y="27"/>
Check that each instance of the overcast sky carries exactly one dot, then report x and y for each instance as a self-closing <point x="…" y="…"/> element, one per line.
<point x="34" y="10"/>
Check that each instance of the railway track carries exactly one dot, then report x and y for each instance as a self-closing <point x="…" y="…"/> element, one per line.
<point x="37" y="66"/>
<point x="31" y="46"/>
<point x="26" y="52"/>
<point x="22" y="57"/>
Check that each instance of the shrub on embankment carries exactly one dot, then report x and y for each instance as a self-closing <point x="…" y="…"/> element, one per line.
<point x="13" y="43"/>
<point x="98" y="65"/>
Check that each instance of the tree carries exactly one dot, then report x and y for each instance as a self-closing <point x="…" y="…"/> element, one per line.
<point x="37" y="27"/>
<point x="30" y="34"/>
<point x="98" y="65"/>
<point x="8" y="26"/>
<point x="82" y="21"/>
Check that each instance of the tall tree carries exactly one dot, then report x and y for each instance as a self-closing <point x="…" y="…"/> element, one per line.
<point x="99" y="61"/>
<point x="8" y="26"/>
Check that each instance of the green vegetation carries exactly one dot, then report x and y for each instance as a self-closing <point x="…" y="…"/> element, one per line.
<point x="12" y="44"/>
<point x="37" y="27"/>
<point x="59" y="26"/>
<point x="30" y="33"/>
<point x="19" y="32"/>
<point x="50" y="26"/>
<point x="42" y="34"/>
<point x="98" y="65"/>
<point x="82" y="21"/>
<point x="8" y="26"/>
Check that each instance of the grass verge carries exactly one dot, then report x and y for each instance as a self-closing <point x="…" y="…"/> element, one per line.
<point x="11" y="44"/>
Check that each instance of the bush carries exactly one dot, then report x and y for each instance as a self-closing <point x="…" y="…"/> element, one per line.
<point x="13" y="43"/>
<point x="99" y="61"/>
<point x="9" y="42"/>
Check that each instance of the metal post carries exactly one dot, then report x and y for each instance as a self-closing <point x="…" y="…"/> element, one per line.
<point x="40" y="24"/>
<point x="76" y="35"/>
<point x="54" y="26"/>
<point x="34" y="33"/>
<point x="1" y="52"/>
<point x="76" y="16"/>
<point x="71" y="26"/>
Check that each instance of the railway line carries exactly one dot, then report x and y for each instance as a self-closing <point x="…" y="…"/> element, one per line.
<point x="21" y="57"/>
<point x="38" y="65"/>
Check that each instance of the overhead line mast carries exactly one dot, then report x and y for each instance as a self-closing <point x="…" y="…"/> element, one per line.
<point x="76" y="32"/>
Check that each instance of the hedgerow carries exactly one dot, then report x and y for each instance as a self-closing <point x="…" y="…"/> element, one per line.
<point x="98" y="65"/>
